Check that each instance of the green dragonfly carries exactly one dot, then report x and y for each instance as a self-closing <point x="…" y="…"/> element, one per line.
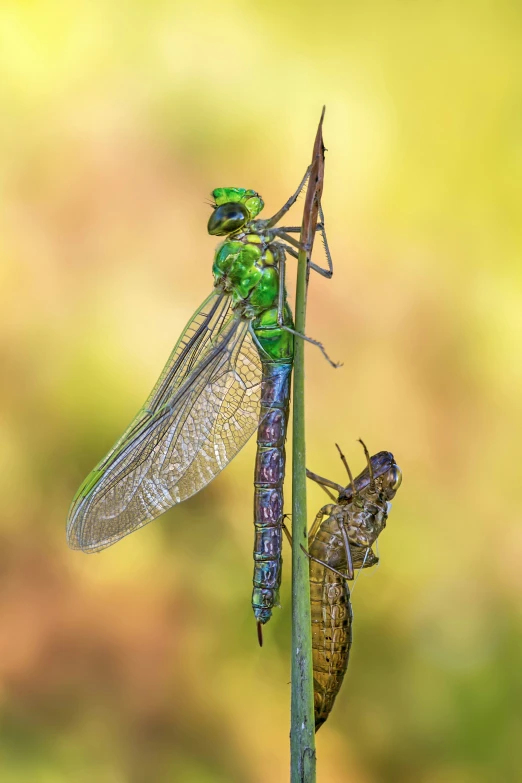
<point x="229" y="373"/>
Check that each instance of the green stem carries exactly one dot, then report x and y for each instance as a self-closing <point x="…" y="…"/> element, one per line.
<point x="302" y="731"/>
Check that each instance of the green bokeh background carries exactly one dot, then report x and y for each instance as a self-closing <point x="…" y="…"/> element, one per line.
<point x="140" y="665"/>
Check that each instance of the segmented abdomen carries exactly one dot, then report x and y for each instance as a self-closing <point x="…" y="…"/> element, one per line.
<point x="268" y="487"/>
<point x="331" y="619"/>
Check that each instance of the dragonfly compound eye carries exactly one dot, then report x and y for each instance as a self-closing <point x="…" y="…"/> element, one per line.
<point x="227" y="218"/>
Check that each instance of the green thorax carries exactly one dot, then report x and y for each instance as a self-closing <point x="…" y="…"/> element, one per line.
<point x="246" y="267"/>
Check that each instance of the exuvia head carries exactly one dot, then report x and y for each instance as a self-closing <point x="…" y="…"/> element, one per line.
<point x="387" y="484"/>
<point x="390" y="481"/>
<point x="381" y="479"/>
<point x="234" y="207"/>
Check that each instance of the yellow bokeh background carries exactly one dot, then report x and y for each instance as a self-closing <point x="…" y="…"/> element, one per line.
<point x="140" y="664"/>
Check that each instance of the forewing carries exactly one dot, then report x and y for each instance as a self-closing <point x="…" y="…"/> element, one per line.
<point x="184" y="436"/>
<point x="200" y="334"/>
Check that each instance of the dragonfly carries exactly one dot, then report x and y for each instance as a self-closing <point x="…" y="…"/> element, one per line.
<point x="340" y="541"/>
<point x="228" y="375"/>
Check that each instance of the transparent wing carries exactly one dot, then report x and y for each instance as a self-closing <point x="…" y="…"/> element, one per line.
<point x="202" y="410"/>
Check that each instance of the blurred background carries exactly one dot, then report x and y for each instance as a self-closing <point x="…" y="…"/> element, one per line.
<point x="141" y="664"/>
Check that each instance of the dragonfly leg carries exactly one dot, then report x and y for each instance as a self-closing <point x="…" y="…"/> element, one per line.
<point x="323" y="481"/>
<point x="313" y="342"/>
<point x="313" y="530"/>
<point x="286" y="530"/>
<point x="291" y="201"/>
<point x="280" y="311"/>
<point x="370" y="467"/>
<point x="349" y="562"/>
<point x="328" y="492"/>
<point x="325" y="511"/>
<point x="345" y="463"/>
<point x="279" y="232"/>
<point x="315" y="267"/>
<point x="281" y="293"/>
<point x="329" y="567"/>
<point x="321" y="228"/>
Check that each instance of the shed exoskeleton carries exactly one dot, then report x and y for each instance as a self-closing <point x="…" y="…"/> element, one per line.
<point x="340" y="541"/>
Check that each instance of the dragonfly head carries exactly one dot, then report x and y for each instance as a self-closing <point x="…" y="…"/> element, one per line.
<point x="234" y="207"/>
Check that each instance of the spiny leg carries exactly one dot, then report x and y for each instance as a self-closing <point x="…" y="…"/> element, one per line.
<point x="281" y="292"/>
<point x="330" y="494"/>
<point x="349" y="562"/>
<point x="335" y="571"/>
<point x="370" y="466"/>
<point x="345" y="463"/>
<point x="323" y="481"/>
<point x="280" y="314"/>
<point x="325" y="511"/>
<point x="341" y="522"/>
<point x="295" y="254"/>
<point x="321" y="228"/>
<point x="325" y="244"/>
<point x="329" y="567"/>
<point x="317" y="523"/>
<point x="291" y="201"/>
<point x="279" y="232"/>
<point x="359" y="570"/>
<point x="286" y="530"/>
<point x="319" y="345"/>
<point x="315" y="267"/>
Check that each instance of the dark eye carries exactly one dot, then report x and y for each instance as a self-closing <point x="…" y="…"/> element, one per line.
<point x="227" y="218"/>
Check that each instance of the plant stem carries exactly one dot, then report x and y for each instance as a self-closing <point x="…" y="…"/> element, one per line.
<point x="302" y="731"/>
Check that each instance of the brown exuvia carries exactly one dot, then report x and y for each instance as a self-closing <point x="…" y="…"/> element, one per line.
<point x="340" y="541"/>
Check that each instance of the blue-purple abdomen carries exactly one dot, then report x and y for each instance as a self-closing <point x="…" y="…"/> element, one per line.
<point x="268" y="487"/>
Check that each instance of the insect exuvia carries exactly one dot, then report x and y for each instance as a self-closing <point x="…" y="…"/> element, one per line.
<point x="340" y="541"/>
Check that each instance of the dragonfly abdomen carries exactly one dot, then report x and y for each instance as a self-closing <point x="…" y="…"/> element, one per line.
<point x="268" y="487"/>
